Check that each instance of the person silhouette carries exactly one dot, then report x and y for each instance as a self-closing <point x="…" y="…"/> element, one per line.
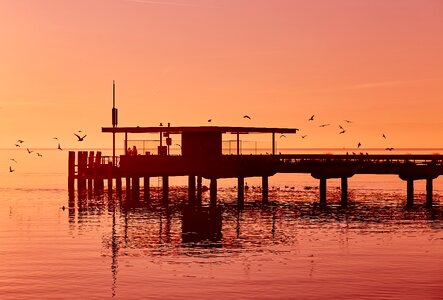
<point x="134" y="150"/>
<point x="129" y="151"/>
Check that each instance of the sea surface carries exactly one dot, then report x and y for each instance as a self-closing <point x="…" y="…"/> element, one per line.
<point x="101" y="245"/>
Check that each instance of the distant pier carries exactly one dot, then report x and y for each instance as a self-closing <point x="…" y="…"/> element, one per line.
<point x="201" y="157"/>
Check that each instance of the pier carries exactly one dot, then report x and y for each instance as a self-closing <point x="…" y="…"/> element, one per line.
<point x="201" y="157"/>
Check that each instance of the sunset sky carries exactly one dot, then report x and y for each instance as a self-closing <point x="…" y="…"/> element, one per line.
<point x="378" y="63"/>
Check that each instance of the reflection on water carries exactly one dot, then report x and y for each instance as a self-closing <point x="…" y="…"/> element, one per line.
<point x="102" y="246"/>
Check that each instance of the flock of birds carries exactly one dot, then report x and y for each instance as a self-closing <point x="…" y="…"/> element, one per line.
<point x="21" y="143"/>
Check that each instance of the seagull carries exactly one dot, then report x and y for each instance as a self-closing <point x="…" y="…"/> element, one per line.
<point x="39" y="154"/>
<point x="59" y="147"/>
<point x="209" y="120"/>
<point x="282" y="136"/>
<point x="80" y="138"/>
<point x="13" y="160"/>
<point x="359" y="144"/>
<point x="384" y="136"/>
<point x="20" y="141"/>
<point x="17" y="145"/>
<point x="339" y="126"/>
<point x="311" y="118"/>
<point x="247" y="117"/>
<point x="55" y="138"/>
<point x="303" y="136"/>
<point x="347" y="121"/>
<point x="341" y="132"/>
<point x="324" y="125"/>
<point x="389" y="149"/>
<point x="11" y="170"/>
<point x="29" y="151"/>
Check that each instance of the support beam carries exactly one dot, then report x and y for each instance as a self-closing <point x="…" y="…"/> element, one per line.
<point x="146" y="188"/>
<point x="344" y="191"/>
<point x="71" y="171"/>
<point x="191" y="189"/>
<point x="91" y="168"/>
<point x="273" y="143"/>
<point x="213" y="192"/>
<point x="429" y="192"/>
<point x="241" y="191"/>
<point x="323" y="191"/>
<point x="136" y="188"/>
<point x="199" y="190"/>
<point x="238" y="143"/>
<point x="265" y="189"/>
<point x="165" y="189"/>
<point x="118" y="185"/>
<point x="410" y="193"/>
<point x="109" y="175"/>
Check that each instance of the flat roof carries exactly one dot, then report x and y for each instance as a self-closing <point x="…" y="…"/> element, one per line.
<point x="181" y="129"/>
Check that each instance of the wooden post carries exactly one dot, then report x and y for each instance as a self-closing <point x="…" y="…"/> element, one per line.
<point x="81" y="169"/>
<point x="146" y="188"/>
<point x="429" y="192"/>
<point x="265" y="189"/>
<point x="213" y="192"/>
<point x="128" y="188"/>
<point x="109" y="175"/>
<point x="410" y="193"/>
<point x="191" y="189"/>
<point x="344" y="191"/>
<point x="118" y="184"/>
<point x="165" y="189"/>
<point x="241" y="191"/>
<point x="91" y="169"/>
<point x="323" y="191"/>
<point x="71" y="170"/>
<point x="199" y="190"/>
<point x="273" y="143"/>
<point x="136" y="188"/>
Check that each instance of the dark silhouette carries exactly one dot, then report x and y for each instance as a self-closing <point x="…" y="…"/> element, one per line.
<point x="29" y="151"/>
<point x="40" y="155"/>
<point x="79" y="137"/>
<point x="59" y="147"/>
<point x="209" y="120"/>
<point x="384" y="136"/>
<point x="303" y="136"/>
<point x="339" y="126"/>
<point x="13" y="160"/>
<point x="17" y="145"/>
<point x="341" y="132"/>
<point x="20" y="141"/>
<point x="55" y="138"/>
<point x="389" y="149"/>
<point x="347" y="121"/>
<point x="311" y="118"/>
<point x="10" y="169"/>
<point x="359" y="145"/>
<point x="324" y="125"/>
<point x="247" y="117"/>
<point x="134" y="150"/>
<point x="282" y="136"/>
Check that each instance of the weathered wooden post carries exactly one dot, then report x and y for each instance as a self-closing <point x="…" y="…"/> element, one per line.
<point x="265" y="189"/>
<point x="191" y="189"/>
<point x="110" y="175"/>
<point x="165" y="189"/>
<point x="241" y="191"/>
<point x="91" y="169"/>
<point x="213" y="192"/>
<point x="344" y="191"/>
<point x="71" y="170"/>
<point x="429" y="192"/>
<point x="323" y="191"/>
<point x="146" y="188"/>
<point x="410" y="193"/>
<point x="199" y="190"/>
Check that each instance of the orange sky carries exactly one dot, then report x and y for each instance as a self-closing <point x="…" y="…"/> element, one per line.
<point x="377" y="63"/>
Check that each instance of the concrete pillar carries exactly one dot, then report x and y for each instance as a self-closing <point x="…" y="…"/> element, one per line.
<point x="191" y="189"/>
<point x="213" y="192"/>
<point x="199" y="190"/>
<point x="410" y="193"/>
<point x="429" y="192"/>
<point x="241" y="191"/>
<point x="146" y="188"/>
<point x="165" y="189"/>
<point x="265" y="189"/>
<point x="322" y="190"/>
<point x="344" y="191"/>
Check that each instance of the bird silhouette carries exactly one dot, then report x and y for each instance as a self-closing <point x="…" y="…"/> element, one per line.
<point x="359" y="144"/>
<point x="80" y="138"/>
<point x="17" y="145"/>
<point x="11" y="170"/>
<point x="341" y="132"/>
<point x="384" y="136"/>
<point x="247" y="117"/>
<point x="324" y="125"/>
<point x="29" y="151"/>
<point x="303" y="136"/>
<point x="389" y="149"/>
<point x="282" y="136"/>
<point x="55" y="138"/>
<point x="13" y="160"/>
<point x="311" y="118"/>
<point x="59" y="147"/>
<point x="38" y="154"/>
<point x="341" y="127"/>
<point x="209" y="120"/>
<point x="20" y="141"/>
<point x="347" y="121"/>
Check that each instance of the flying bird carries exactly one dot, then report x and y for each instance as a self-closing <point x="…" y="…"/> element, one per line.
<point x="341" y="127"/>
<point x="303" y="136"/>
<point x="389" y="149"/>
<point x="17" y="145"/>
<point x="20" y="141"/>
<point x="29" y="151"/>
<point x="311" y="118"/>
<point x="359" y="144"/>
<point x="80" y="138"/>
<point x="59" y="147"/>
<point x="13" y="160"/>
<point x="247" y="117"/>
<point x="324" y="125"/>
<point x="282" y="136"/>
<point x="384" y="136"/>
<point x="11" y="170"/>
<point x="347" y="121"/>
<point x="209" y="120"/>
<point x="38" y="154"/>
<point x="341" y="132"/>
<point x="55" y="138"/>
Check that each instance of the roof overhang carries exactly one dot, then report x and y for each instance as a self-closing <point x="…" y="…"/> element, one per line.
<point x="182" y="129"/>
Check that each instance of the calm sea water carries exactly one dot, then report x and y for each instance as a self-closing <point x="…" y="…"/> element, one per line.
<point x="101" y="247"/>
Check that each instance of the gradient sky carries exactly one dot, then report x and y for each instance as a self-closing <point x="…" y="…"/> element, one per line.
<point x="378" y="63"/>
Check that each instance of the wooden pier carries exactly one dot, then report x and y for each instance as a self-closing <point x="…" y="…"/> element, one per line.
<point x="201" y="157"/>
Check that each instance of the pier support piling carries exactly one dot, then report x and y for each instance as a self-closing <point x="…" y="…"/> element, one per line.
<point x="191" y="189"/>
<point x="429" y="192"/>
<point x="199" y="190"/>
<point x="344" y="191"/>
<point x="136" y="188"/>
<point x="241" y="191"/>
<point x="213" y="192"/>
<point x="71" y="170"/>
<point x="323" y="191"/>
<point x="165" y="189"/>
<point x="146" y="188"/>
<point x="410" y="193"/>
<point x="118" y="185"/>
<point x="265" y="189"/>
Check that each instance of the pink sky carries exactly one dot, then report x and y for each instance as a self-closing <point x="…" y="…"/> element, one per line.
<point x="377" y="63"/>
